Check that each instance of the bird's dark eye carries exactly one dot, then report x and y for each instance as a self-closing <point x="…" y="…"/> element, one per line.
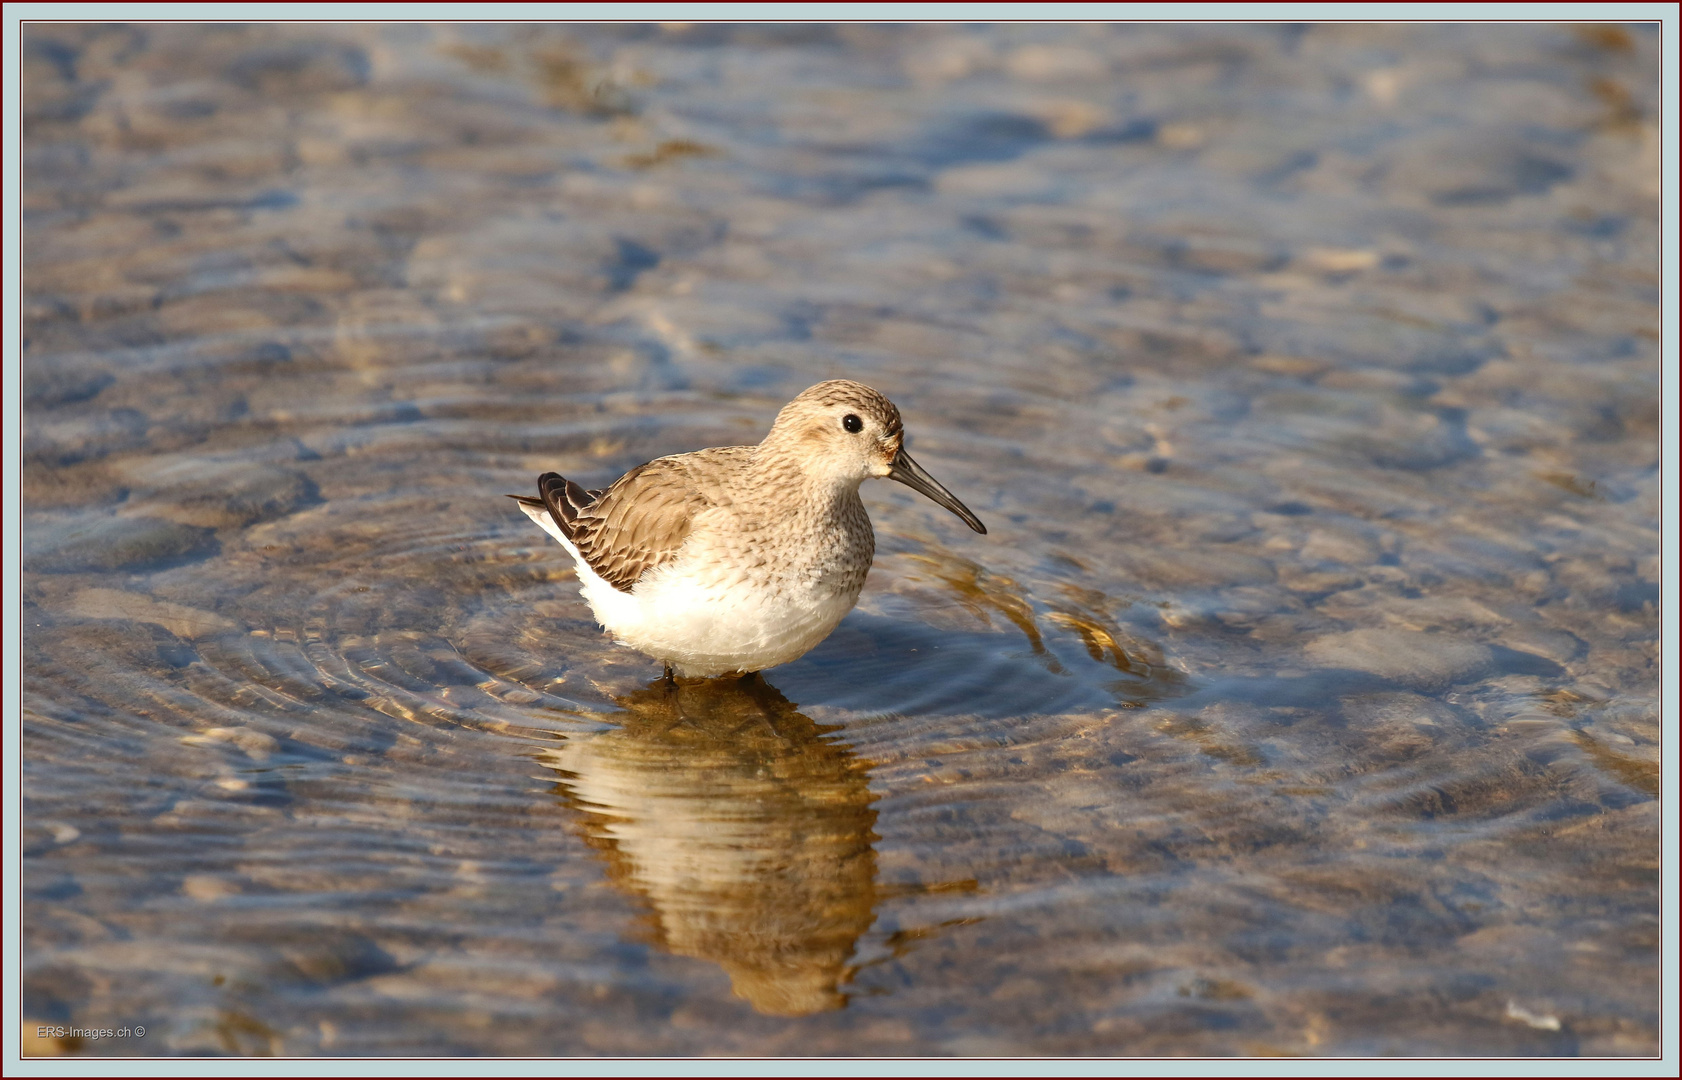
<point x="852" y="423"/>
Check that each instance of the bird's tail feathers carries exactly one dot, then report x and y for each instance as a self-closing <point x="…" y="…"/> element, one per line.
<point x="564" y="499"/>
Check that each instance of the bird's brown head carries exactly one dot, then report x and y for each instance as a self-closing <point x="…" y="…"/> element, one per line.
<point x="844" y="432"/>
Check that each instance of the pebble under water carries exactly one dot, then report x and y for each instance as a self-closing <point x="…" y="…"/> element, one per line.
<point x="1303" y="698"/>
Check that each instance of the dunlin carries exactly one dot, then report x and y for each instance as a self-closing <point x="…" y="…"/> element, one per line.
<point x="739" y="558"/>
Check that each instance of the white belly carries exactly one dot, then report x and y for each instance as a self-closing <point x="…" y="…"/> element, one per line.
<point x="706" y="614"/>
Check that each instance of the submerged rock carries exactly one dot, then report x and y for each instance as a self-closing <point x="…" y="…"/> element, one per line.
<point x="1423" y="661"/>
<point x="179" y="619"/>
<point x="115" y="543"/>
<point x="220" y="495"/>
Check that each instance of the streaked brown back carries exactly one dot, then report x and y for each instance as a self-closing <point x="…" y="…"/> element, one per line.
<point x="642" y="520"/>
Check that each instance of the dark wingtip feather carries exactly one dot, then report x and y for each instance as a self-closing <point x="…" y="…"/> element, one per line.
<point x="564" y="499"/>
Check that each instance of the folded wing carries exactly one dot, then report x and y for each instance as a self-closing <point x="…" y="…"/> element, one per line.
<point x="636" y="525"/>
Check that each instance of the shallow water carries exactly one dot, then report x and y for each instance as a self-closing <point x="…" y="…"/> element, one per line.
<point x="1302" y="698"/>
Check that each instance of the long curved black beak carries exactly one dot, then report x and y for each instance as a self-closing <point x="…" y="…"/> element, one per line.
<point x="911" y="474"/>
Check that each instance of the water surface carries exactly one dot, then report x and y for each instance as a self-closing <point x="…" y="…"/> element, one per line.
<point x="1301" y="700"/>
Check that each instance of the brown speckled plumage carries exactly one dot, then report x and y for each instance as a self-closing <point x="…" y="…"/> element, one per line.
<point x="739" y="557"/>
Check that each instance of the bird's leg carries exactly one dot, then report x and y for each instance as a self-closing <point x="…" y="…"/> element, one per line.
<point x="750" y="682"/>
<point x="675" y="696"/>
<point x="761" y="720"/>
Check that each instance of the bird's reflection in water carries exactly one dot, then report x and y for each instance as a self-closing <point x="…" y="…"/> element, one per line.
<point x="746" y="831"/>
